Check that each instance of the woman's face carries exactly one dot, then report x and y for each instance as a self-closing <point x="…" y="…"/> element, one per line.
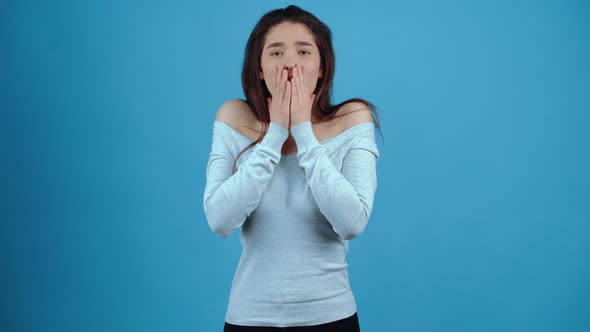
<point x="285" y="45"/>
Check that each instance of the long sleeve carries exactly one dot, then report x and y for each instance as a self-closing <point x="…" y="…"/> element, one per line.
<point x="344" y="198"/>
<point x="229" y="199"/>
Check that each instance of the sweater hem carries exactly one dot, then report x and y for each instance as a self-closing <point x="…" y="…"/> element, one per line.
<point x="291" y="314"/>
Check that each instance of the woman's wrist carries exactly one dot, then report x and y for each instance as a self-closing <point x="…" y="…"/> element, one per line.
<point x="303" y="135"/>
<point x="275" y="136"/>
<point x="283" y="125"/>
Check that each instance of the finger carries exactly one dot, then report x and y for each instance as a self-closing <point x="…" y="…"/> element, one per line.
<point x="285" y="76"/>
<point x="286" y="102"/>
<point x="299" y="84"/>
<point x="295" y="86"/>
<point x="276" y="80"/>
<point x="304" y="76"/>
<point x="283" y="82"/>
<point x="304" y="82"/>
<point x="287" y="97"/>
<point x="276" y="83"/>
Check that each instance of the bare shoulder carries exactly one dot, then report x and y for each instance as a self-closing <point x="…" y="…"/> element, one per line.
<point x="354" y="113"/>
<point x="233" y="112"/>
<point x="237" y="114"/>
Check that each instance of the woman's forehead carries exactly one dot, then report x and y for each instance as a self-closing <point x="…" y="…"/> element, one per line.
<point x="289" y="33"/>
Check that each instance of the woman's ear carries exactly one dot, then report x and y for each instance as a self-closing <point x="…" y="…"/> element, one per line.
<point x="321" y="74"/>
<point x="261" y="75"/>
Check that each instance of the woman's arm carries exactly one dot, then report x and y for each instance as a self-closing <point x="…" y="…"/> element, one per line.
<point x="229" y="199"/>
<point x="344" y="198"/>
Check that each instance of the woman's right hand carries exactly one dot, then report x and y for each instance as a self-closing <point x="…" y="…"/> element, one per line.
<point x="280" y="102"/>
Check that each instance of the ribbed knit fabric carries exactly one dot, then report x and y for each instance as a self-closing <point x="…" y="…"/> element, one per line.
<point x="297" y="213"/>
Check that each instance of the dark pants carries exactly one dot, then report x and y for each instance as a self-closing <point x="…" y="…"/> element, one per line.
<point x="350" y="324"/>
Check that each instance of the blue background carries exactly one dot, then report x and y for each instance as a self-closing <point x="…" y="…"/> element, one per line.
<point x="481" y="213"/>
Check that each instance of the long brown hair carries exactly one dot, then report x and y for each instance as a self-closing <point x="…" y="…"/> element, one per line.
<point x="256" y="91"/>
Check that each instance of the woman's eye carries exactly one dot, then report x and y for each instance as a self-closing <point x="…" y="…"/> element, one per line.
<point x="304" y="52"/>
<point x="275" y="53"/>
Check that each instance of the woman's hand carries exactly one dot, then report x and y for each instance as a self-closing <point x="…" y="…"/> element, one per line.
<point x="301" y="99"/>
<point x="278" y="104"/>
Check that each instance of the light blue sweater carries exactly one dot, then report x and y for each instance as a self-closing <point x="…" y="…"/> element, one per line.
<point x="297" y="213"/>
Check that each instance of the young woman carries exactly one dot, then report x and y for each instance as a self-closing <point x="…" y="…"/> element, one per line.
<point x="297" y="175"/>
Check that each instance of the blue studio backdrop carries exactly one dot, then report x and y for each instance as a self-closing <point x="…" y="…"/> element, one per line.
<point x="481" y="213"/>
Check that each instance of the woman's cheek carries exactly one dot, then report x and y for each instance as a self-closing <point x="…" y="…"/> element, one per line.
<point x="269" y="81"/>
<point x="312" y="79"/>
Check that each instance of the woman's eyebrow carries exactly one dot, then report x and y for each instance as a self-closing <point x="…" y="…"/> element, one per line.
<point x="298" y="43"/>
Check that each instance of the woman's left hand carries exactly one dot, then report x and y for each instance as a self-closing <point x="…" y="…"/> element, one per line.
<point x="301" y="100"/>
